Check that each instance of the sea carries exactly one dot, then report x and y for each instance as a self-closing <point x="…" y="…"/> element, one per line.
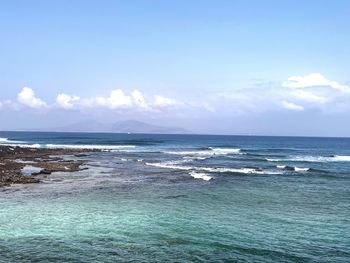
<point x="182" y="198"/>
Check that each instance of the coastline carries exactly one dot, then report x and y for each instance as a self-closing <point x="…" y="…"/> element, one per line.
<point x="43" y="161"/>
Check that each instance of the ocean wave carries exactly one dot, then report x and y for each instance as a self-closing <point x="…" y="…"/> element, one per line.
<point x="118" y="151"/>
<point x="177" y="165"/>
<point x="202" y="176"/>
<point x="170" y="165"/>
<point x="341" y="158"/>
<point x="225" y="151"/>
<point x="301" y="169"/>
<point x="191" y="158"/>
<point x="211" y="151"/>
<point x="36" y="145"/>
<point x="6" y="141"/>
<point x="333" y="158"/>
<point x="117" y="148"/>
<point x="89" y="146"/>
<point x="243" y="170"/>
<point x="292" y="168"/>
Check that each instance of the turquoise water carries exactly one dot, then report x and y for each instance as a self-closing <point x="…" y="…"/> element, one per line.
<point x="141" y="203"/>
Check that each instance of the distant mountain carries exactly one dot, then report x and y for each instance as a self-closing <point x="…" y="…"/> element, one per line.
<point x="84" y="126"/>
<point x="142" y="127"/>
<point x="128" y="126"/>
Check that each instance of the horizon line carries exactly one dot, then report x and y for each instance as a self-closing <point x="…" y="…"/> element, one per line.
<point x="183" y="134"/>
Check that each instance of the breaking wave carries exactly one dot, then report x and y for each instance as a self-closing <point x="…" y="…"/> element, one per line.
<point x="7" y="141"/>
<point x="211" y="151"/>
<point x="70" y="146"/>
<point x="292" y="168"/>
<point x="332" y="158"/>
<point x="301" y="169"/>
<point x="177" y="165"/>
<point x="88" y="146"/>
<point x="36" y="145"/>
<point x="202" y="176"/>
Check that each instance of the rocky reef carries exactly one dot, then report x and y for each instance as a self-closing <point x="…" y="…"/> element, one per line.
<point x="15" y="160"/>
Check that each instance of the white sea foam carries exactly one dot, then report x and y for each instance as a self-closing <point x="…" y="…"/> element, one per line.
<point x="36" y="145"/>
<point x="7" y="141"/>
<point x="22" y="161"/>
<point x="89" y="146"/>
<point x="243" y="170"/>
<point x="194" y="158"/>
<point x="177" y="165"/>
<point x="301" y="169"/>
<point x="211" y="151"/>
<point x="192" y="153"/>
<point x="335" y="158"/>
<point x="171" y="165"/>
<point x="225" y="151"/>
<point x="118" y="148"/>
<point x="118" y="151"/>
<point x="29" y="170"/>
<point x="341" y="158"/>
<point x="297" y="169"/>
<point x="202" y="176"/>
<point x="274" y="160"/>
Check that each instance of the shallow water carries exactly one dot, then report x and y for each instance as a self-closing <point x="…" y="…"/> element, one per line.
<point x="142" y="204"/>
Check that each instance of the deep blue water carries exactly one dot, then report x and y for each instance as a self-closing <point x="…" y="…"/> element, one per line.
<point x="183" y="198"/>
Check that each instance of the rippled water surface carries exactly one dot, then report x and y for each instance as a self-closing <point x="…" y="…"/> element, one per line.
<point x="182" y="198"/>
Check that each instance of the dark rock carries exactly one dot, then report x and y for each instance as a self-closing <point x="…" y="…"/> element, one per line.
<point x="50" y="160"/>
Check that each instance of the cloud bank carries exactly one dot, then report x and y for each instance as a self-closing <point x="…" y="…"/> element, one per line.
<point x="116" y="100"/>
<point x="295" y="94"/>
<point x="313" y="80"/>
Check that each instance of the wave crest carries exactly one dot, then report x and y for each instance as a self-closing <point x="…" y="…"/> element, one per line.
<point x="292" y="168"/>
<point x="177" y="166"/>
<point x="333" y="158"/>
<point x="89" y="146"/>
<point x="211" y="151"/>
<point x="202" y="176"/>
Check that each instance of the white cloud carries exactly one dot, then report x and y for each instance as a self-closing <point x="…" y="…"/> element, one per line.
<point x="317" y="92"/>
<point x="117" y="99"/>
<point x="309" y="96"/>
<point x="138" y="99"/>
<point x="292" y="106"/>
<point x="164" y="102"/>
<point x="313" y="80"/>
<point x="312" y="91"/>
<point x="297" y="93"/>
<point x="66" y="101"/>
<point x="27" y="97"/>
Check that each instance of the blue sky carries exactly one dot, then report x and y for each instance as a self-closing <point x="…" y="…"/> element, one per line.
<point x="236" y="67"/>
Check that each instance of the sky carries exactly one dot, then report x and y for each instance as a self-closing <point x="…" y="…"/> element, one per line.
<point x="217" y="67"/>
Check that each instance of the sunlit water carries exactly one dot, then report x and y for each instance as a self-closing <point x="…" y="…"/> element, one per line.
<point x="172" y="198"/>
